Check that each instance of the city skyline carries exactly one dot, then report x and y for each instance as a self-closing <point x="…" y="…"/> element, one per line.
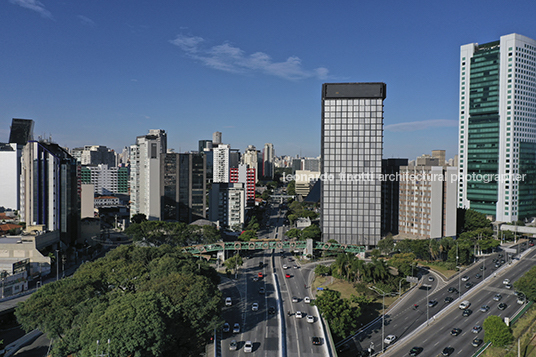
<point x="91" y="75"/>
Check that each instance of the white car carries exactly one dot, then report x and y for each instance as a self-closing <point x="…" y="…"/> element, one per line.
<point x="307" y="300"/>
<point x="310" y="319"/>
<point x="228" y="301"/>
<point x="464" y="305"/>
<point x="390" y="339"/>
<point x="465" y="278"/>
<point x="299" y="314"/>
<point x="294" y="299"/>
<point x="255" y="306"/>
<point x="248" y="347"/>
<point x="506" y="281"/>
<point x="285" y="266"/>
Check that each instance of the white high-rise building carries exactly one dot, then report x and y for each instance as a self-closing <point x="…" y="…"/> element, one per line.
<point x="250" y="158"/>
<point x="145" y="174"/>
<point x="497" y="133"/>
<point x="351" y="153"/>
<point x="221" y="163"/>
<point x="268" y="160"/>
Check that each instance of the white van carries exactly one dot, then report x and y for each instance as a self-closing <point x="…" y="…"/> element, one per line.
<point x="228" y="301"/>
<point x="464" y="305"/>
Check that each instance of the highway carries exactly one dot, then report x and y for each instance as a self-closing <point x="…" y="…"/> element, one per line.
<point x="435" y="337"/>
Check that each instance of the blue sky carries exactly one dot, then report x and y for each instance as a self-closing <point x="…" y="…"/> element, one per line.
<point x="103" y="72"/>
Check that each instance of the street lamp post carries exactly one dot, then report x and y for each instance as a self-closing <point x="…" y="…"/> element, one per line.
<point x="57" y="264"/>
<point x="383" y="313"/>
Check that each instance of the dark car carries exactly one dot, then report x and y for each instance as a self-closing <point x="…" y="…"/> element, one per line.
<point x="452" y="290"/>
<point x="261" y="290"/>
<point x="271" y="310"/>
<point x="447" y="351"/>
<point x="502" y="306"/>
<point x="468" y="285"/>
<point x="467" y="312"/>
<point x="455" y="331"/>
<point x="415" y="351"/>
<point x="316" y="340"/>
<point x="477" y="342"/>
<point x="449" y="299"/>
<point x="478" y="276"/>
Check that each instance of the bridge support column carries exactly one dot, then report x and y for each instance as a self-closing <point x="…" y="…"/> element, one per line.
<point x="308" y="248"/>
<point x="221" y="256"/>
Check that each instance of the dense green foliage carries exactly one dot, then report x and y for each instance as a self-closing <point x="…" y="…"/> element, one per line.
<point x="496" y="331"/>
<point x="527" y="284"/>
<point x="146" y="301"/>
<point x="474" y="220"/>
<point x="341" y="314"/>
<point x="176" y="234"/>
<point x="297" y="210"/>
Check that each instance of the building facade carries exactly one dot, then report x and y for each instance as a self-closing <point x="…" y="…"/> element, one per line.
<point x="145" y="174"/>
<point x="497" y="132"/>
<point x="390" y="195"/>
<point x="183" y="187"/>
<point x="250" y="158"/>
<point x="106" y="180"/>
<point x="245" y="175"/>
<point x="268" y="161"/>
<point x="351" y="145"/>
<point x="227" y="204"/>
<point x="50" y="189"/>
<point x="221" y="163"/>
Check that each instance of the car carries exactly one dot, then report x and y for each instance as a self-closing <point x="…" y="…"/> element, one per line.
<point x="415" y="351"/>
<point x="432" y="303"/>
<point x="271" y="310"/>
<point x="476" y="329"/>
<point x="502" y="306"/>
<point x="467" y="312"/>
<point x="233" y="345"/>
<point x="310" y="319"/>
<point x="482" y="268"/>
<point x="447" y="351"/>
<point x="452" y="290"/>
<point x="390" y="339"/>
<point x="455" y="331"/>
<point x="464" y="305"/>
<point x="477" y="342"/>
<point x="228" y="301"/>
<point x="521" y="300"/>
<point x="468" y="285"/>
<point x="449" y="299"/>
<point x="465" y="278"/>
<point x="287" y="276"/>
<point x="497" y="297"/>
<point x="299" y="314"/>
<point x="484" y="308"/>
<point x="508" y="286"/>
<point x="255" y="278"/>
<point x="259" y="274"/>
<point x="294" y="299"/>
<point x="236" y="328"/>
<point x="478" y="276"/>
<point x="248" y="346"/>
<point x="307" y="300"/>
<point x="261" y="290"/>
<point x="431" y="278"/>
<point x="285" y="266"/>
<point x="255" y="306"/>
<point x="226" y="327"/>
<point x="506" y="281"/>
<point x="497" y="265"/>
<point x="531" y="244"/>
<point x="316" y="340"/>
<point x="295" y="266"/>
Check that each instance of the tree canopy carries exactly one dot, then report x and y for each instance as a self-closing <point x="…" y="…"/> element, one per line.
<point x="146" y="301"/>
<point x="157" y="233"/>
<point x="474" y="220"/>
<point x="496" y="331"/>
<point x="342" y="316"/>
<point x="527" y="284"/>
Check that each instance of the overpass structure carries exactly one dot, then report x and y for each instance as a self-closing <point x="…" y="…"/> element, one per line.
<point x="273" y="244"/>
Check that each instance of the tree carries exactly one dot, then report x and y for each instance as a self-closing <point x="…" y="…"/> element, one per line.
<point x="527" y="284"/>
<point x="291" y="188"/>
<point x="138" y="218"/>
<point x="322" y="270"/>
<point x="387" y="244"/>
<point x="341" y="315"/>
<point x="404" y="263"/>
<point x="234" y="262"/>
<point x="148" y="301"/>
<point x="475" y="220"/>
<point x="293" y="233"/>
<point x="496" y="331"/>
<point x="311" y="232"/>
<point x="246" y="236"/>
